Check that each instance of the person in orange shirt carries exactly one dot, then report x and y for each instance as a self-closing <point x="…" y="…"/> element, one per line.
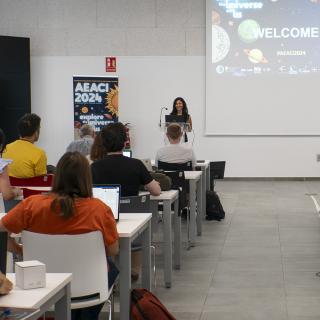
<point x="68" y="209"/>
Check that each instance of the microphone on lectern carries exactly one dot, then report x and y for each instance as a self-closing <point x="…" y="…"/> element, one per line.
<point x="161" y="115"/>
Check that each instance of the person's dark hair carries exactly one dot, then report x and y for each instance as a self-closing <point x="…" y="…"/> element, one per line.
<point x="185" y="112"/>
<point x="28" y="124"/>
<point x="72" y="180"/>
<point x="2" y="141"/>
<point x="114" y="137"/>
<point x="98" y="151"/>
<point x="174" y="131"/>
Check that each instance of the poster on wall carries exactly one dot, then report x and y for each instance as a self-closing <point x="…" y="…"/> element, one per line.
<point x="95" y="100"/>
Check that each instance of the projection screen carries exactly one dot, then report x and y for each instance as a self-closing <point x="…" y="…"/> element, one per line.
<point x="262" y="67"/>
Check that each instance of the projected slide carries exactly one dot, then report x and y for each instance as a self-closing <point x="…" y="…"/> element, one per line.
<point x="251" y="38"/>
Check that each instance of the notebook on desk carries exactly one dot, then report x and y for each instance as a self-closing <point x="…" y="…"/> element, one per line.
<point x="110" y="195"/>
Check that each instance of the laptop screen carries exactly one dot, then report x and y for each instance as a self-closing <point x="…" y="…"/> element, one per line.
<point x="110" y="195"/>
<point x="127" y="153"/>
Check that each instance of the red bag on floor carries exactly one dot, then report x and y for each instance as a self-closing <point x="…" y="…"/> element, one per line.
<point x="146" y="306"/>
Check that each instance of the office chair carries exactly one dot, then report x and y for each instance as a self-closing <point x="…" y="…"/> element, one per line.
<point x="39" y="181"/>
<point x="180" y="183"/>
<point x="83" y="255"/>
<point x="27" y="192"/>
<point x="216" y="172"/>
<point x="186" y="166"/>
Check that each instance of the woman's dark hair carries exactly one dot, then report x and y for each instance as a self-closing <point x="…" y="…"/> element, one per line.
<point x="28" y="124"/>
<point x="72" y="180"/>
<point x="114" y="137"/>
<point x="2" y="141"/>
<point x="98" y="151"/>
<point x="185" y="112"/>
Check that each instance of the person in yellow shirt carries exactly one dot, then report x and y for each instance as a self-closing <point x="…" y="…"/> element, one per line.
<point x="27" y="159"/>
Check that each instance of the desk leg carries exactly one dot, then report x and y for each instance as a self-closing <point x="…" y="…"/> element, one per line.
<point x="204" y="201"/>
<point x="167" y="243"/>
<point x="192" y="230"/>
<point x="177" y="236"/>
<point x="199" y="207"/>
<point x="62" y="306"/>
<point x="155" y="216"/>
<point x="146" y="258"/>
<point x="208" y="177"/>
<point x="125" y="277"/>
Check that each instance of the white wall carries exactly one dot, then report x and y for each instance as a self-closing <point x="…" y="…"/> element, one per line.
<point x="161" y="47"/>
<point x="146" y="84"/>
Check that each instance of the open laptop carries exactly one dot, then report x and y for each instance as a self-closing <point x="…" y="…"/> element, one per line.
<point x="110" y="195"/>
<point x="127" y="153"/>
<point x="170" y="118"/>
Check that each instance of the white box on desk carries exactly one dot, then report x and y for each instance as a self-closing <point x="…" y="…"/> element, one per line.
<point x="30" y="274"/>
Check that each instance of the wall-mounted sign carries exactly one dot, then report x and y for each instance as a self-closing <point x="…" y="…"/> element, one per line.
<point x="111" y="64"/>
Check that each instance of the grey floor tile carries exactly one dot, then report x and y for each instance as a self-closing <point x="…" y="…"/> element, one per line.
<point x="299" y="235"/>
<point x="303" y="307"/>
<point x="300" y="279"/>
<point x="257" y="264"/>
<point x="248" y="279"/>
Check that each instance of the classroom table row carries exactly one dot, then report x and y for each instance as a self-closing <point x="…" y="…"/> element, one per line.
<point x="131" y="226"/>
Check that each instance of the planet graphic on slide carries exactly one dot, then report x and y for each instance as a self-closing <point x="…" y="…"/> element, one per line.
<point x="255" y="56"/>
<point x="248" y="31"/>
<point x="220" y="44"/>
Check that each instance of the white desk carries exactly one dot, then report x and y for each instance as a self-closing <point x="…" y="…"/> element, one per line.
<point x="129" y="227"/>
<point x="194" y="178"/>
<point x="57" y="293"/>
<point x="205" y="168"/>
<point x="169" y="197"/>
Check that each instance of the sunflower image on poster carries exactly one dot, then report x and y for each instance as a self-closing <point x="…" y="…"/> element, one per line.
<point x="112" y="103"/>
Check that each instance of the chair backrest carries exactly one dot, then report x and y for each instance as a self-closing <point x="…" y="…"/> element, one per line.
<point x="39" y="181"/>
<point x="27" y="192"/>
<point x="83" y="255"/>
<point x="135" y="204"/>
<point x="186" y="166"/>
<point x="216" y="171"/>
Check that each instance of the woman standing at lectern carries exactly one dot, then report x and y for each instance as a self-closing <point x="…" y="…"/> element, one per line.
<point x="180" y="108"/>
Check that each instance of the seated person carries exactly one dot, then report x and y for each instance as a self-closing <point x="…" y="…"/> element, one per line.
<point x="7" y="191"/>
<point x="84" y="144"/>
<point x="115" y="168"/>
<point x="5" y="284"/>
<point x="98" y="151"/>
<point x="68" y="209"/>
<point x="175" y="152"/>
<point x="28" y="160"/>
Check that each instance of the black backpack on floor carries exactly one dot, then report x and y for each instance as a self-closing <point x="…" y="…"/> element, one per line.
<point x="214" y="208"/>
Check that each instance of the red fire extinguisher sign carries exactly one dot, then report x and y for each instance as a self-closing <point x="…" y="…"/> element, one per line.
<point x="111" y="64"/>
